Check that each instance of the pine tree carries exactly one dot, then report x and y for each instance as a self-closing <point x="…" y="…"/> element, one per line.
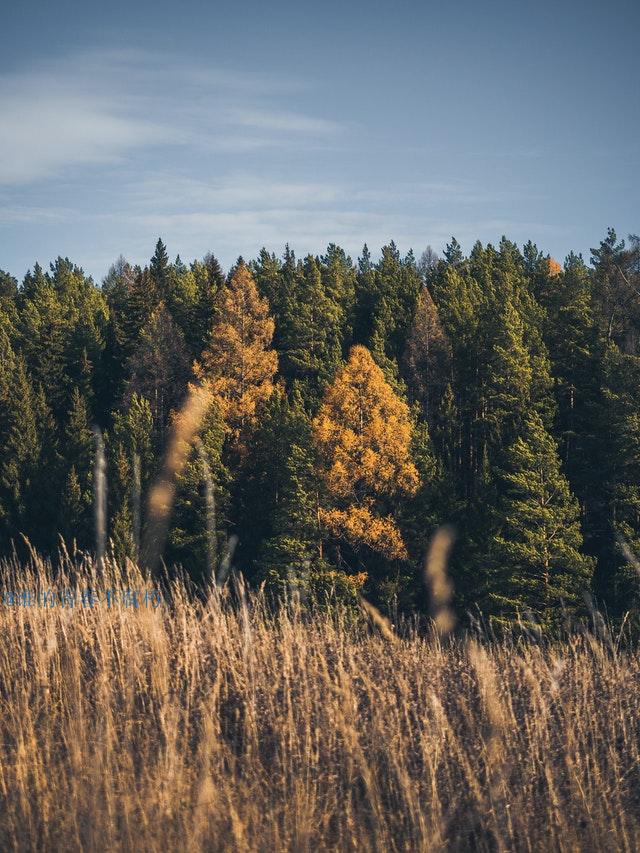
<point x="209" y="280"/>
<point x="159" y="269"/>
<point x="427" y="357"/>
<point x="397" y="289"/>
<point x="21" y="444"/>
<point x="339" y="281"/>
<point x="263" y="506"/>
<point x="617" y="290"/>
<point x="267" y="271"/>
<point x="199" y="522"/>
<point x="42" y="330"/>
<point x="8" y="299"/>
<point x="311" y="330"/>
<point x="132" y="465"/>
<point x="536" y="562"/>
<point x="509" y="380"/>
<point x="159" y="368"/>
<point x="78" y="459"/>
<point x="453" y="253"/>
<point x="612" y="502"/>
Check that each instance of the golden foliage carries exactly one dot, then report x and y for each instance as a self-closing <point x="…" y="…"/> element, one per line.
<point x="238" y="364"/>
<point x="357" y="525"/>
<point x="554" y="267"/>
<point x="363" y="431"/>
<point x="362" y="434"/>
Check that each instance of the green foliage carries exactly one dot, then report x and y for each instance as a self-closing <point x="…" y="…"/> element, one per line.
<point x="200" y="523"/>
<point x="536" y="562"/>
<point x="518" y="379"/>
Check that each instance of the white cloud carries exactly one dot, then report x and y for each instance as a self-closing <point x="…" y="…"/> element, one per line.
<point x="42" y="132"/>
<point x="101" y="107"/>
<point x="30" y="214"/>
<point x="287" y="122"/>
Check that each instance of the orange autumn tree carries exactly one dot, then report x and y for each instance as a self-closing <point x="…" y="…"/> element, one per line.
<point x="362" y="435"/>
<point x="554" y="268"/>
<point x="238" y="364"/>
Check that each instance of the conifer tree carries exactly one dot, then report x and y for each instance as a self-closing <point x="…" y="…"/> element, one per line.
<point x="617" y="290"/>
<point x="536" y="561"/>
<point x="509" y="380"/>
<point x="8" y="298"/>
<point x="339" y="280"/>
<point x="267" y="271"/>
<point x="42" y="340"/>
<point x="159" y="368"/>
<point x="238" y="364"/>
<point x="199" y="522"/>
<point x="209" y="280"/>
<point x="397" y="288"/>
<point x="291" y="556"/>
<point x="427" y="357"/>
<point x="159" y="269"/>
<point x="181" y="299"/>
<point x="311" y="330"/>
<point x="132" y="464"/>
<point x="277" y="498"/>
<point x="78" y="457"/>
<point x="453" y="254"/>
<point x="362" y="435"/>
<point x="20" y="439"/>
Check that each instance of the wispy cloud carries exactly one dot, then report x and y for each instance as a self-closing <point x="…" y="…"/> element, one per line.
<point x="101" y="107"/>
<point x="287" y="122"/>
<point x="103" y="151"/>
<point x="241" y="212"/>
<point x="32" y="215"/>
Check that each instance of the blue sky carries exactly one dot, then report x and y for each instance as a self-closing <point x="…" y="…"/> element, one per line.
<point x="228" y="126"/>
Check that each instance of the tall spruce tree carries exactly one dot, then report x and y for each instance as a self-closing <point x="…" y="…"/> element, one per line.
<point x="536" y="565"/>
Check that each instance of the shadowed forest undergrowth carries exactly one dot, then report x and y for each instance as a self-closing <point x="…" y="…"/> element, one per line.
<point x="220" y="724"/>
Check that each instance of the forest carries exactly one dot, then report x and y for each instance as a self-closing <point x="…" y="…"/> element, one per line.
<point x="353" y="409"/>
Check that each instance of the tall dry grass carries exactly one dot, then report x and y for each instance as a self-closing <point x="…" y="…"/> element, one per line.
<point x="218" y="725"/>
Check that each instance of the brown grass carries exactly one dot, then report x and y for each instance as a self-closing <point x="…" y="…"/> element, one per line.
<point x="215" y="725"/>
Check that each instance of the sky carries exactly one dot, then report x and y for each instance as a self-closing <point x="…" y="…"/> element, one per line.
<point x="228" y="126"/>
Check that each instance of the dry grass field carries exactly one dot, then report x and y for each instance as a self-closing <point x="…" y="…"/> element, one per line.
<point x="218" y="725"/>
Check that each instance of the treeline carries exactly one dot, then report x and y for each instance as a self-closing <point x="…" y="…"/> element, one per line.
<point x="355" y="408"/>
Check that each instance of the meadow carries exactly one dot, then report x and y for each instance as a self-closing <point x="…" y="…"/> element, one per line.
<point x="220" y="723"/>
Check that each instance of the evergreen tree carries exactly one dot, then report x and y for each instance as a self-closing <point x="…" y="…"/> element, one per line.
<point x="209" y="280"/>
<point x="78" y="460"/>
<point x="536" y="561"/>
<point x="617" y="290"/>
<point x="510" y="377"/>
<point x="312" y="330"/>
<point x="132" y="465"/>
<point x="159" y="269"/>
<point x="159" y="368"/>
<point x="427" y="357"/>
<point x="453" y="253"/>
<point x="199" y="523"/>
<point x="20" y="439"/>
